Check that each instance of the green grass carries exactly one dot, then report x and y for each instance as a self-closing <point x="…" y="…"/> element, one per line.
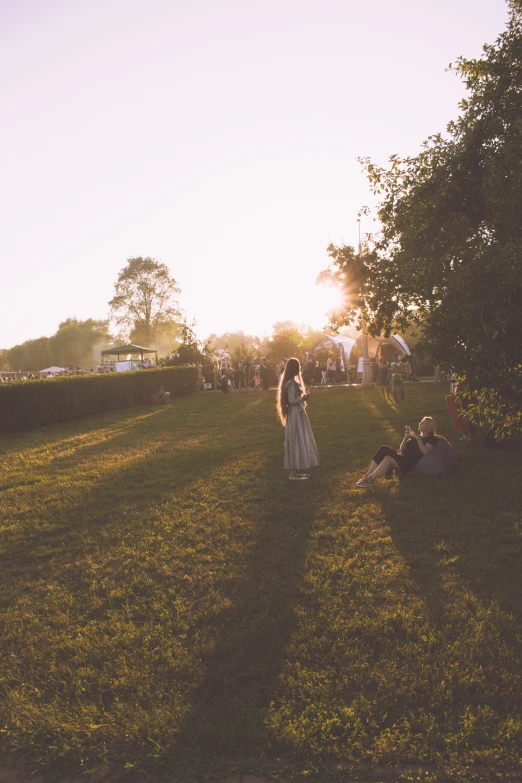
<point x="168" y="599"/>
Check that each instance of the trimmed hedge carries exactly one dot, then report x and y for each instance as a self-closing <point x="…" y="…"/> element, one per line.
<point x="30" y="404"/>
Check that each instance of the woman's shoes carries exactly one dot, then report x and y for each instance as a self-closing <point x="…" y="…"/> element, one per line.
<point x="364" y="482"/>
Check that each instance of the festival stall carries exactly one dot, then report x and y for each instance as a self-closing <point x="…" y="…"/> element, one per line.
<point x="51" y="371"/>
<point x="343" y="345"/>
<point x="336" y="343"/>
<point x="126" y="354"/>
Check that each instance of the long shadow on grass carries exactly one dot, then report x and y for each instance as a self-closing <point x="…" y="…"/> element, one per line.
<point x="229" y="708"/>
<point x="76" y="432"/>
<point x="145" y="482"/>
<point x="471" y="523"/>
<point x="249" y="638"/>
<point x="460" y="538"/>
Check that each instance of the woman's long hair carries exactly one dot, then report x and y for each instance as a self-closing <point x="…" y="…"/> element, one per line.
<point x="292" y="370"/>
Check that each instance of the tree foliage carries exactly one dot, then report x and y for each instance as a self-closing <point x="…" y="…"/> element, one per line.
<point x="190" y="350"/>
<point x="449" y="253"/>
<point x="75" y="342"/>
<point x="239" y="346"/>
<point x="289" y="339"/>
<point x="79" y="342"/>
<point x="32" y="355"/>
<point x="144" y="306"/>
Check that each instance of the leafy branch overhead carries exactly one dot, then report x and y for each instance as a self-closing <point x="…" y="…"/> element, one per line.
<point x="449" y="252"/>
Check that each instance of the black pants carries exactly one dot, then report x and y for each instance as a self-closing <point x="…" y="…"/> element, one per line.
<point x="386" y="451"/>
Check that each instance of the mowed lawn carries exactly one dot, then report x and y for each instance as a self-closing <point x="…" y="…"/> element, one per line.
<point x="170" y="600"/>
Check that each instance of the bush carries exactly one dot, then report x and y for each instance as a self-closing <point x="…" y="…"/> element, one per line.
<point x="30" y="404"/>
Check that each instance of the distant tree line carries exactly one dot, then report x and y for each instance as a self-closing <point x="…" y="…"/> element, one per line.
<point x="144" y="310"/>
<point x="75" y="342"/>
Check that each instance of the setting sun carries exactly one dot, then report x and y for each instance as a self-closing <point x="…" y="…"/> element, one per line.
<point x="323" y="300"/>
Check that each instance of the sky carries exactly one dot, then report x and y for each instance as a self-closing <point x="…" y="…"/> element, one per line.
<point x="220" y="137"/>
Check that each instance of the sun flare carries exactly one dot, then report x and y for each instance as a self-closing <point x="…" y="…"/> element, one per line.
<point x="325" y="300"/>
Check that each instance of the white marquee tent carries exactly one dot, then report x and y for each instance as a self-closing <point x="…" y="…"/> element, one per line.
<point x="344" y="344"/>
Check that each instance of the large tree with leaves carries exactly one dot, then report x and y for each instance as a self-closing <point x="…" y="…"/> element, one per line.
<point x="144" y="306"/>
<point x="79" y="342"/>
<point x="190" y="350"/>
<point x="449" y="253"/>
<point x="75" y="342"/>
<point x="289" y="339"/>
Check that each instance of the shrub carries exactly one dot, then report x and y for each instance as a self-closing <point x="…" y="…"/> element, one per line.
<point x="26" y="405"/>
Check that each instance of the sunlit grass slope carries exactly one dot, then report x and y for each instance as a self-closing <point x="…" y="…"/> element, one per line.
<point x="168" y="597"/>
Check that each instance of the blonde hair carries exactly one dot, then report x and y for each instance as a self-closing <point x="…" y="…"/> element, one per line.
<point x="432" y="424"/>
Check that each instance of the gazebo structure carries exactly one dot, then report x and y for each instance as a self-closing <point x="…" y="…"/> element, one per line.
<point x="129" y="350"/>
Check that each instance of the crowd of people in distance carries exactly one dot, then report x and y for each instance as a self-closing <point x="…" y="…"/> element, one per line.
<point x="18" y="377"/>
<point x="71" y="369"/>
<point x="322" y="372"/>
<point x="243" y="376"/>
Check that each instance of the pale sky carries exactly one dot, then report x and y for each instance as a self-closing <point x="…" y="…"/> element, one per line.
<point x="218" y="136"/>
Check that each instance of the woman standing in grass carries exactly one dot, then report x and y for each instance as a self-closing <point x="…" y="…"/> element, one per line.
<point x="300" y="448"/>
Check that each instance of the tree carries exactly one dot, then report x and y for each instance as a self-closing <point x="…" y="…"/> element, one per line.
<point x="449" y="255"/>
<point x="288" y="339"/>
<point x="79" y="342"/>
<point x="190" y="350"/>
<point x="32" y="355"/>
<point x="144" y="305"/>
<point x="75" y="342"/>
<point x="234" y="342"/>
<point x="239" y="346"/>
<point x="4" y="361"/>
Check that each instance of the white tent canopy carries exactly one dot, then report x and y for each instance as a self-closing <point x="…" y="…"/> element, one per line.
<point x="336" y="342"/>
<point x="397" y="342"/>
<point x="53" y="369"/>
<point x="343" y="344"/>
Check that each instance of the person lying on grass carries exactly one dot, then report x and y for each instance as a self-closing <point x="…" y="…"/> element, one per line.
<point x="411" y="450"/>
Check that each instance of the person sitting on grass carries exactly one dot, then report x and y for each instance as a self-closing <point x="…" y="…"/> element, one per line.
<point x="411" y="451"/>
<point x="163" y="396"/>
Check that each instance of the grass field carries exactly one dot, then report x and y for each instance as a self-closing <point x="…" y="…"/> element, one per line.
<point x="169" y="599"/>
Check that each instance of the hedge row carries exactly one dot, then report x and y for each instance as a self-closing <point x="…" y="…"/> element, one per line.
<point x="30" y="404"/>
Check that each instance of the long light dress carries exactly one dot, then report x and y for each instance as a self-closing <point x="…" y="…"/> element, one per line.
<point x="300" y="448"/>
